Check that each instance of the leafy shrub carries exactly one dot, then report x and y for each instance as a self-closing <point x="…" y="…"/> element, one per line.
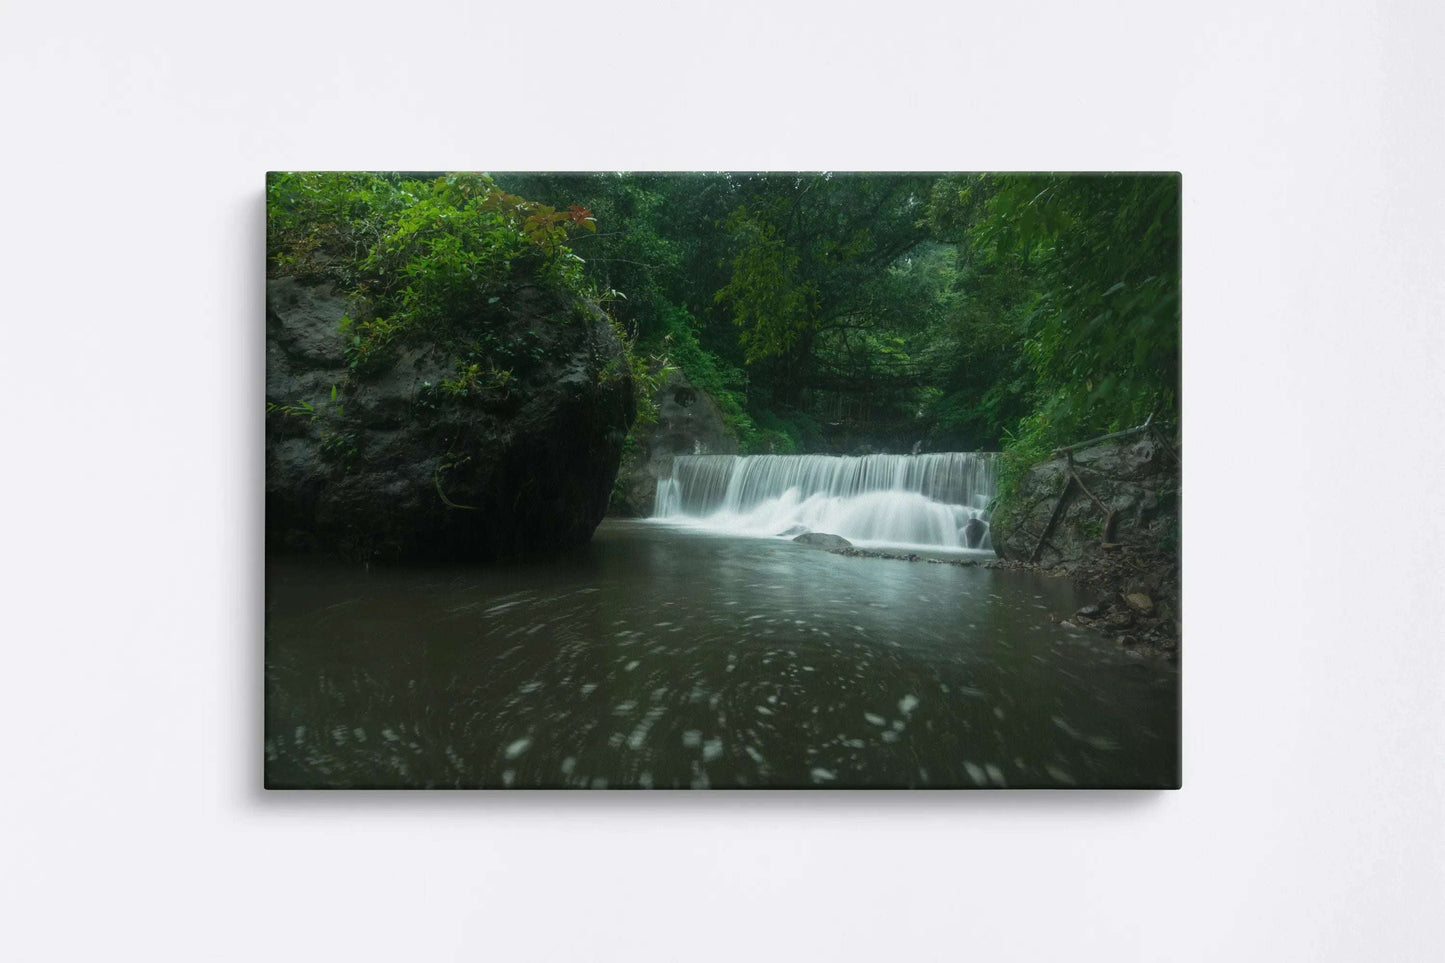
<point x="432" y="261"/>
<point x="678" y="346"/>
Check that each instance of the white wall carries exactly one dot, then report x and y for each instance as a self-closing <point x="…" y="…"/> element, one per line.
<point x="136" y="134"/>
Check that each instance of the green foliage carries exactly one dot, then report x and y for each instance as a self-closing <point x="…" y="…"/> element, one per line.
<point x="822" y="312"/>
<point x="632" y="259"/>
<point x="789" y="433"/>
<point x="973" y="312"/>
<point x="648" y="372"/>
<point x="342" y="448"/>
<point x="678" y="344"/>
<point x="433" y="260"/>
<point x="471" y="380"/>
<point x="302" y="408"/>
<point x="326" y="223"/>
<point x="436" y="262"/>
<point x="451" y="252"/>
<point x="1096" y="259"/>
<point x="772" y="273"/>
<point x="768" y="300"/>
<point x="370" y="341"/>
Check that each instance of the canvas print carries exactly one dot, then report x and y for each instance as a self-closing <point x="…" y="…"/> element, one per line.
<point x="770" y="480"/>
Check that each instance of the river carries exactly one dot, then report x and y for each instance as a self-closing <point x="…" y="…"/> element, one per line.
<point x="665" y="656"/>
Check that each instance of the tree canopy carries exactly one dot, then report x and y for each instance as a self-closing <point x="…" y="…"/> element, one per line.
<point x="825" y="312"/>
<point x="842" y="312"/>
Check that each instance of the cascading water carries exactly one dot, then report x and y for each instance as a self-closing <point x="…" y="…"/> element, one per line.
<point x="927" y="501"/>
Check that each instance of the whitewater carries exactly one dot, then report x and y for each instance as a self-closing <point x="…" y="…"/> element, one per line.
<point x="933" y="501"/>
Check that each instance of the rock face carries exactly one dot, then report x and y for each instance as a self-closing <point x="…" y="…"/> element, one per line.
<point x="1136" y="477"/>
<point x="388" y="465"/>
<point x="689" y="422"/>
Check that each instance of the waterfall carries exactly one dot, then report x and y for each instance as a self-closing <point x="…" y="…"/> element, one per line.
<point x="933" y="501"/>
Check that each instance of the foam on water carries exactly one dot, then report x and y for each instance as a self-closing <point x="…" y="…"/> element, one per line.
<point x="924" y="501"/>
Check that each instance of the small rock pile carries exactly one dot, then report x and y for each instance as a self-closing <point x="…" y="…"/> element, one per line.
<point x="1133" y="619"/>
<point x="1137" y="598"/>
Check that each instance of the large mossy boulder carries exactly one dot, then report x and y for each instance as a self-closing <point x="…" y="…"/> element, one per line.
<point x="414" y="457"/>
<point x="1136" y="478"/>
<point x="689" y="422"/>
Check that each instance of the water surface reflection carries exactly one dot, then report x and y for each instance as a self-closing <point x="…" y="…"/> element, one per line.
<point x="655" y="657"/>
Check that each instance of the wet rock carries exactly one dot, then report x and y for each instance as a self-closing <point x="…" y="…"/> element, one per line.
<point x="689" y="422"/>
<point x="974" y="531"/>
<point x="823" y="540"/>
<point x="1139" y="602"/>
<point x="1136" y="574"/>
<point x="793" y="530"/>
<point x="382" y="464"/>
<point x="1136" y="478"/>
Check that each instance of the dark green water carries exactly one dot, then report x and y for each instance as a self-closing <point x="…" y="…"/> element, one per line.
<point x="656" y="657"/>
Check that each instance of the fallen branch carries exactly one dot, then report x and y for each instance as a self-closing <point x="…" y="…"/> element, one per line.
<point x="1117" y="434"/>
<point x="1168" y="445"/>
<point x="1053" y="519"/>
<point x="1080" y="482"/>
